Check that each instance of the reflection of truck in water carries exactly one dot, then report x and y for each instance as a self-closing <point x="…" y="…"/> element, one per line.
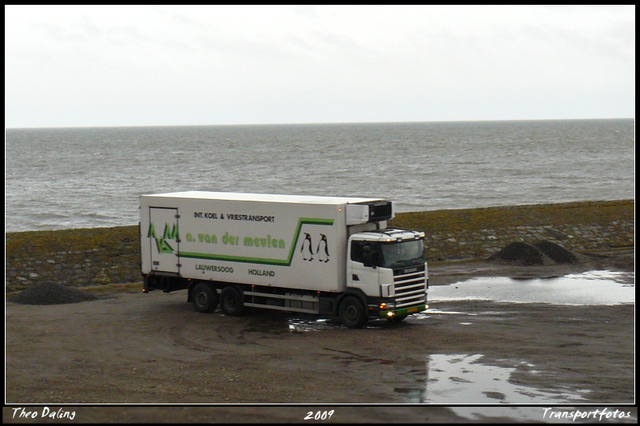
<point x="332" y="256"/>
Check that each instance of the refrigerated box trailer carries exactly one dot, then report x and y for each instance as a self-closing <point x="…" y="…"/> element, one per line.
<point x="332" y="256"/>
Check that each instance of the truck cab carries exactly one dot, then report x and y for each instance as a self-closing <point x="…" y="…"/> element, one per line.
<point x="388" y="266"/>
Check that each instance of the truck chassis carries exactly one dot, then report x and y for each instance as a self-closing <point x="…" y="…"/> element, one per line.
<point x="352" y="307"/>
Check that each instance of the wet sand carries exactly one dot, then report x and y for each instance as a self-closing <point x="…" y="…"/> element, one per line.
<point x="134" y="348"/>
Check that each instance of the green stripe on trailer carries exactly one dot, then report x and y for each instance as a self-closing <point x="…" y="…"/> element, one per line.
<point x="262" y="261"/>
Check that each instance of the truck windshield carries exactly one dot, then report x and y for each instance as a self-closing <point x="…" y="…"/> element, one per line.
<point x="402" y="254"/>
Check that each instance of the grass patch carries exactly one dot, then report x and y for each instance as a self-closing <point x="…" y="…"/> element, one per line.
<point x="495" y="218"/>
<point x="108" y="259"/>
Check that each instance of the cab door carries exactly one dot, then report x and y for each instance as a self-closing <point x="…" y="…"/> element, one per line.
<point x="361" y="270"/>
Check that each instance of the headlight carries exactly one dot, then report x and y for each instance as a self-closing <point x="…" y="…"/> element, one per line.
<point x="388" y="305"/>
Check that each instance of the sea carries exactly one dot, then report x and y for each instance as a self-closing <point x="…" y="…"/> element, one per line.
<point x="61" y="178"/>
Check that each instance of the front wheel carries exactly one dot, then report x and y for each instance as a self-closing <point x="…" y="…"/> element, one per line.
<point x="205" y="298"/>
<point x="231" y="301"/>
<point x="352" y="313"/>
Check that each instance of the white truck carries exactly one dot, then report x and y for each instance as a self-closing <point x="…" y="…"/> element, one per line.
<point x="332" y="256"/>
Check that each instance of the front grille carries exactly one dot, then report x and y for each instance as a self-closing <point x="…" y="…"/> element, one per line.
<point x="410" y="286"/>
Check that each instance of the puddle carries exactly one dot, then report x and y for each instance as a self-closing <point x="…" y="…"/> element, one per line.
<point x="464" y="379"/>
<point x="589" y="288"/>
<point x="301" y="325"/>
<point x="432" y="311"/>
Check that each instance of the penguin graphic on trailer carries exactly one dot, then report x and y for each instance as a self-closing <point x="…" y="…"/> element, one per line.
<point x="323" y="246"/>
<point x="307" y="246"/>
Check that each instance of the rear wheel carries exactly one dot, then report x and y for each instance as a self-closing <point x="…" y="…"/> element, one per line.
<point x="231" y="301"/>
<point x="352" y="313"/>
<point x="204" y="298"/>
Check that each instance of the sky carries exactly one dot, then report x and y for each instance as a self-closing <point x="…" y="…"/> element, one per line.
<point x="84" y="66"/>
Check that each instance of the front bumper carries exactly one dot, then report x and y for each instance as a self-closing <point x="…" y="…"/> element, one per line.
<point x="402" y="312"/>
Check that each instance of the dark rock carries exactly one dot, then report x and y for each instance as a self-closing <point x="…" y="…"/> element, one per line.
<point x="556" y="252"/>
<point x="541" y="253"/>
<point x="521" y="254"/>
<point x="48" y="293"/>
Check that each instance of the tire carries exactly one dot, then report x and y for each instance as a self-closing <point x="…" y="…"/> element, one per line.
<point x="231" y="301"/>
<point x="352" y="313"/>
<point x="204" y="298"/>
